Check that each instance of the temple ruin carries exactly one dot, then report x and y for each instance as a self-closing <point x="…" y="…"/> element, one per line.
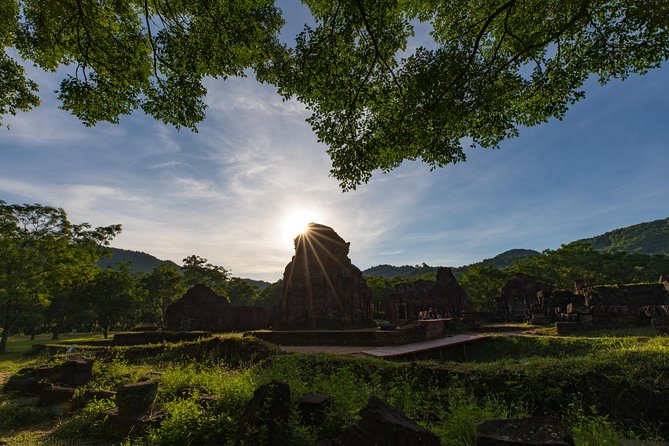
<point x="425" y="299"/>
<point x="322" y="289"/>
<point x="199" y="309"/>
<point x="610" y="306"/>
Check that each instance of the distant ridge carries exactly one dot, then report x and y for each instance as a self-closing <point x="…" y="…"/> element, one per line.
<point x="507" y="258"/>
<point x="140" y="261"/>
<point x="500" y="261"/>
<point x="646" y="238"/>
<point x="390" y="271"/>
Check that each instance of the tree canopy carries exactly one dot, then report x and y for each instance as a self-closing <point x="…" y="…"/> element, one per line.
<point x="487" y="68"/>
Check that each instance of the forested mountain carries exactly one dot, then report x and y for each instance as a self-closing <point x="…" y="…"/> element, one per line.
<point x="140" y="261"/>
<point x="261" y="284"/>
<point x="506" y="259"/>
<point x="390" y="271"/>
<point x="646" y="238"/>
<point x="145" y="263"/>
<point x="500" y="261"/>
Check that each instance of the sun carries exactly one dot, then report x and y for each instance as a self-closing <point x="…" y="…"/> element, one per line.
<point x="296" y="222"/>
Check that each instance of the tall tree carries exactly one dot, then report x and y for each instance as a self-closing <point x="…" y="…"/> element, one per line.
<point x="197" y="270"/>
<point x="483" y="285"/>
<point x="240" y="292"/>
<point x="487" y="68"/>
<point x="163" y="286"/>
<point x="114" y="295"/>
<point x="41" y="252"/>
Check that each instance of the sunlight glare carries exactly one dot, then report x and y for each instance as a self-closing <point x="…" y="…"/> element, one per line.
<point x="296" y="222"/>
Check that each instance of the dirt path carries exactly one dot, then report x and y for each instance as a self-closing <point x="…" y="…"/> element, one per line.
<point x="4" y="376"/>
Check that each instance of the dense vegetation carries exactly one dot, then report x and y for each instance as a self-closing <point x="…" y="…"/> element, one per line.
<point x="603" y="388"/>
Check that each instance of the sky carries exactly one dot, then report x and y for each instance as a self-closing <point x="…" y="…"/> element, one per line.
<point x="232" y="192"/>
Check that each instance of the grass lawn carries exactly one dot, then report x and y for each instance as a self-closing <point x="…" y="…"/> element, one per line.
<point x="19" y="347"/>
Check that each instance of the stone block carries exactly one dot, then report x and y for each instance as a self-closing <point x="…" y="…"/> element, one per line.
<point x="382" y="424"/>
<point x="76" y="371"/>
<point x="135" y="399"/>
<point x="534" y="431"/>
<point x="138" y="423"/>
<point x="313" y="407"/>
<point x="265" y="418"/>
<point x="566" y="328"/>
<point x="52" y="394"/>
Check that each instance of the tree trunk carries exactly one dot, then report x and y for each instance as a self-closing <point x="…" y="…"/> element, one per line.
<point x="32" y="335"/>
<point x="7" y="329"/>
<point x="55" y="334"/>
<point x="3" y="340"/>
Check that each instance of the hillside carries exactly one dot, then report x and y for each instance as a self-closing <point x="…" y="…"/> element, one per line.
<point x="500" y="261"/>
<point x="507" y="258"/>
<point x="646" y="238"/>
<point x="141" y="261"/>
<point x="390" y="271"/>
<point x="145" y="263"/>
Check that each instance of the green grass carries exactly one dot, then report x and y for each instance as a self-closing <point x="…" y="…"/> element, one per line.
<point x="605" y="388"/>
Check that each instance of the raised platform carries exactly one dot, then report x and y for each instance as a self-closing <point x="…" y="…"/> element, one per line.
<point x="415" y="332"/>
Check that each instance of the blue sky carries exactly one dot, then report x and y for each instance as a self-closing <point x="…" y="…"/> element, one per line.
<point x="224" y="193"/>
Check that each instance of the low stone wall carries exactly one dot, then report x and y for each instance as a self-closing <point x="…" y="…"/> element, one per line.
<point x="156" y="337"/>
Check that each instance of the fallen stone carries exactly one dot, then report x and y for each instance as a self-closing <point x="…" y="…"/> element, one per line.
<point x="382" y="424"/>
<point x="76" y="371"/>
<point x="265" y="418"/>
<point x="52" y="394"/>
<point x="30" y="385"/>
<point x="135" y="399"/>
<point x="534" y="431"/>
<point x="137" y="423"/>
<point x="312" y="408"/>
<point x="44" y="372"/>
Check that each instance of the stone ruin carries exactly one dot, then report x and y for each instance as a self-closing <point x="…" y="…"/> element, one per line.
<point x="613" y="306"/>
<point x="201" y="309"/>
<point x="322" y="289"/>
<point x="617" y="306"/>
<point x="425" y="299"/>
<point x="521" y="295"/>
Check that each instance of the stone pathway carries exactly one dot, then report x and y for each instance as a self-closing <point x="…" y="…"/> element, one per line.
<point x="392" y="351"/>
